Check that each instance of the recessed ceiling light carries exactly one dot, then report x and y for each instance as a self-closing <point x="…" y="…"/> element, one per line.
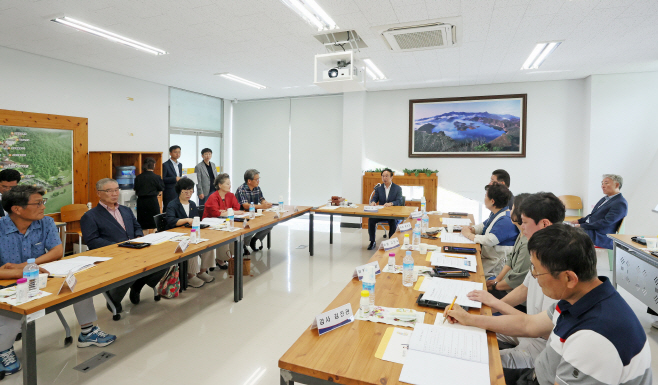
<point x="241" y="80"/>
<point x="80" y="26"/>
<point x="310" y="11"/>
<point x="539" y="54"/>
<point x="371" y="69"/>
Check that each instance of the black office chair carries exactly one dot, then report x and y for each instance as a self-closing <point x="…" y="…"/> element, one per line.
<point x="160" y="222"/>
<point x="200" y="208"/>
<point x="404" y="201"/>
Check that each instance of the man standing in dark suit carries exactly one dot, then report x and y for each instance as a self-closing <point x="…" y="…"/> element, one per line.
<point x="608" y="213"/>
<point x="172" y="171"/>
<point x="501" y="176"/>
<point x="9" y="178"/>
<point x="387" y="194"/>
<point x="109" y="223"/>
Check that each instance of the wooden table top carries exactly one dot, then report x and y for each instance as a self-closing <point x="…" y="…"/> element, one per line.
<point x="347" y="355"/>
<point x="268" y="217"/>
<point x="395" y="211"/>
<point x="626" y="239"/>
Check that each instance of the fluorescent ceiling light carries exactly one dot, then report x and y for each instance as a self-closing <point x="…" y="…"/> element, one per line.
<point x="80" y="26"/>
<point x="539" y="54"/>
<point x="373" y="68"/>
<point x="310" y="11"/>
<point x="243" y="81"/>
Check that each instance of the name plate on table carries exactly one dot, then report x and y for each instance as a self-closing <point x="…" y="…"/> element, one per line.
<point x="182" y="246"/>
<point x="69" y="281"/>
<point x="333" y="319"/>
<point x="245" y="224"/>
<point x="389" y="244"/>
<point x="358" y="272"/>
<point x="404" y="227"/>
<point x="416" y="214"/>
<point x="371" y="209"/>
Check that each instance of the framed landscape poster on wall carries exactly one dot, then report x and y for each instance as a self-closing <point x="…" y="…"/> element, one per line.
<point x="479" y="126"/>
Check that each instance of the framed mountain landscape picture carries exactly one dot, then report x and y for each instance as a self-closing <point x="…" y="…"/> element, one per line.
<point x="479" y="126"/>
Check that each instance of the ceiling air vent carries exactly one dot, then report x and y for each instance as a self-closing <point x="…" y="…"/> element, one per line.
<point x="420" y="37"/>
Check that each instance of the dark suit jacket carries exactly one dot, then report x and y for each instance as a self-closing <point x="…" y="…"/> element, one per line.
<point x="604" y="220"/>
<point x="175" y="211"/>
<point x="99" y="228"/>
<point x="394" y="195"/>
<point x="169" y="177"/>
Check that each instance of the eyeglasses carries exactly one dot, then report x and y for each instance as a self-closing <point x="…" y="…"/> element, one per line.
<point x="190" y="191"/>
<point x="533" y="272"/>
<point x="40" y="203"/>
<point x="111" y="190"/>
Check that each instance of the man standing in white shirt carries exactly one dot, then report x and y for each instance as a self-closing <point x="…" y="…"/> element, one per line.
<point x="8" y="179"/>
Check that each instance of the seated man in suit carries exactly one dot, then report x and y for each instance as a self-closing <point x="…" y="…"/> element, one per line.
<point x="9" y="178"/>
<point x="26" y="233"/>
<point x="388" y="194"/>
<point x="608" y="213"/>
<point x="249" y="193"/>
<point x="501" y="176"/>
<point x="172" y="171"/>
<point x="109" y="223"/>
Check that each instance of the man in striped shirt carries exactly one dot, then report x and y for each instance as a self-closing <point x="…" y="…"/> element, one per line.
<point x="593" y="335"/>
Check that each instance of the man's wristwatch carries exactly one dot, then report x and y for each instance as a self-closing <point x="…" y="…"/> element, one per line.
<point x="494" y="285"/>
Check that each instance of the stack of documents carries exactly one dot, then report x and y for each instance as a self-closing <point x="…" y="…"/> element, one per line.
<point x="62" y="267"/>
<point x="447" y="237"/>
<point x="372" y="209"/>
<point x="456" y="221"/>
<point x="458" y="261"/>
<point x="445" y="289"/>
<point x="156" y="238"/>
<point x="214" y="222"/>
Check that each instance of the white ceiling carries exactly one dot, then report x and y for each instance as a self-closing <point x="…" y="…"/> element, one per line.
<point x="264" y="41"/>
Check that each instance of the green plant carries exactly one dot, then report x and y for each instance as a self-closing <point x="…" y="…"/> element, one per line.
<point x="418" y="171"/>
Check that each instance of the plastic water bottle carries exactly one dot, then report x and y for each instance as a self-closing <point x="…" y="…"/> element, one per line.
<point x="406" y="240"/>
<point x="231" y="216"/>
<point x="193" y="235"/>
<point x="31" y="273"/>
<point x="425" y="223"/>
<point x="196" y="226"/>
<point x="365" y="302"/>
<point x="423" y="205"/>
<point x="281" y="203"/>
<point x="407" y="270"/>
<point x="252" y="211"/>
<point x="368" y="283"/>
<point x="391" y="262"/>
<point x="415" y="241"/>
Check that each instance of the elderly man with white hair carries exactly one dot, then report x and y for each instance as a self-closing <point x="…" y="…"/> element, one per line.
<point x="608" y="213"/>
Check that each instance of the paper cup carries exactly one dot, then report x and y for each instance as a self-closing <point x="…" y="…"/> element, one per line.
<point x="450" y="228"/>
<point x="652" y="243"/>
<point x="260" y="211"/>
<point x="43" y="280"/>
<point x="423" y="248"/>
<point x="414" y="276"/>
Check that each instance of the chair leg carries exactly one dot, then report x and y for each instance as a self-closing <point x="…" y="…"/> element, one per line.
<point x="115" y="315"/>
<point x="64" y="246"/>
<point x="68" y="340"/>
<point x="611" y="257"/>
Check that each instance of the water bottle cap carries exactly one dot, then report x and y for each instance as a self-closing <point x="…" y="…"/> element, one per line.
<point x="406" y="235"/>
<point x="364" y="293"/>
<point x="31" y="260"/>
<point x="21" y="280"/>
<point x="391" y="254"/>
<point x="408" y="252"/>
<point x="418" y="219"/>
<point x="193" y="230"/>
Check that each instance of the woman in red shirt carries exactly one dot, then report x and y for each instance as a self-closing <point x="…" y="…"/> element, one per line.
<point x="216" y="205"/>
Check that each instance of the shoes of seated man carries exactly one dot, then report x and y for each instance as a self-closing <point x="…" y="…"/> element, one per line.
<point x="654" y="324"/>
<point x="195" y="282"/>
<point x="9" y="363"/>
<point x="371" y="245"/>
<point x="96" y="337"/>
<point x="245" y="251"/>
<point x="117" y="305"/>
<point x="205" y="277"/>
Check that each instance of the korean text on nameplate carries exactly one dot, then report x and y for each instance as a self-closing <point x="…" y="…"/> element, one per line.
<point x="333" y="319"/>
<point x="390" y="244"/>
<point x="358" y="272"/>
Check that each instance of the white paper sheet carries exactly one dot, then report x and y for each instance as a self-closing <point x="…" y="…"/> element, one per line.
<point x="84" y="258"/>
<point x="431" y="369"/>
<point x="459" y="261"/>
<point x="447" y="237"/>
<point x="62" y="267"/>
<point x="156" y="238"/>
<point x="445" y="290"/>
<point x="450" y="342"/>
<point x="192" y="177"/>
<point x="329" y="207"/>
<point x="213" y="221"/>
<point x="398" y="346"/>
<point x="456" y="221"/>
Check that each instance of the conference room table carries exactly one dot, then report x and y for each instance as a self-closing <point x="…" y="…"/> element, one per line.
<point x="635" y="269"/>
<point x="391" y="212"/>
<point x="347" y="355"/>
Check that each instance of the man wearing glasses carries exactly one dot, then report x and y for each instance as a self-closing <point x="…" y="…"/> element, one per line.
<point x="248" y="193"/>
<point x="538" y="211"/>
<point x="109" y="223"/>
<point x="27" y="233"/>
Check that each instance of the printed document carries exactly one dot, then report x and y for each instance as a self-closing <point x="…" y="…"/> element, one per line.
<point x="458" y="261"/>
<point x="447" y="237"/>
<point x="156" y="238"/>
<point x="445" y="289"/>
<point x="456" y="221"/>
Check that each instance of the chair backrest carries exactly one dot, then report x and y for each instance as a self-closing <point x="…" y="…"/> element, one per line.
<point x="200" y="208"/>
<point x="572" y="202"/>
<point x="621" y="229"/>
<point x="73" y="213"/>
<point x="404" y="200"/>
<point x="160" y="222"/>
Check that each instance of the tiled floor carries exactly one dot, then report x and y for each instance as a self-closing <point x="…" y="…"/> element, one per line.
<point x="203" y="337"/>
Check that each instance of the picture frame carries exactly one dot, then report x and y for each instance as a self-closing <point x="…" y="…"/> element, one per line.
<point x="468" y="127"/>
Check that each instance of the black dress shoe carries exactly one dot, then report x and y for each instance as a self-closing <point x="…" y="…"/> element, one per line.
<point x="135" y="290"/>
<point x="245" y="251"/>
<point x="371" y="245"/>
<point x="224" y="266"/>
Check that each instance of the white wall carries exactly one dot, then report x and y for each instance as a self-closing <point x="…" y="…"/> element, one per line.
<point x="555" y="135"/>
<point x="624" y="140"/>
<point x="34" y="83"/>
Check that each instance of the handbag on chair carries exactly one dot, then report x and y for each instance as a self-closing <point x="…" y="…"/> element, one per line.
<point x="169" y="285"/>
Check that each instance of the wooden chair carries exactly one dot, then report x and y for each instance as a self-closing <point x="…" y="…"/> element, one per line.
<point x="572" y="202"/>
<point x="382" y="224"/>
<point x="71" y="214"/>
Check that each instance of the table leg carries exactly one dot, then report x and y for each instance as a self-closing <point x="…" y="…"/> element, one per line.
<point x="29" y="363"/>
<point x="614" y="265"/>
<point x="310" y="234"/>
<point x="269" y="240"/>
<point x="236" y="280"/>
<point x="286" y="377"/>
<point x="331" y="229"/>
<point x="241" y="264"/>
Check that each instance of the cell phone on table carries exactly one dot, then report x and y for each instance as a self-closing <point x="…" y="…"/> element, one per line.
<point x="457" y="214"/>
<point x="134" y="245"/>
<point x="463" y="250"/>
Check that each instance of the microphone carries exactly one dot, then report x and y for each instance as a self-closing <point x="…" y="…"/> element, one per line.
<point x="377" y="185"/>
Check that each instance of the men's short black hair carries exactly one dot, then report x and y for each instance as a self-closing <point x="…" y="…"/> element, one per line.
<point x="174" y="147"/>
<point x="10" y="175"/>
<point x="20" y="196"/>
<point x="184" y="184"/>
<point x="502" y="176"/>
<point x="205" y="150"/>
<point x="499" y="193"/>
<point x="561" y="248"/>
<point x="515" y="215"/>
<point x="148" y="164"/>
<point x="543" y="205"/>
<point x="389" y="171"/>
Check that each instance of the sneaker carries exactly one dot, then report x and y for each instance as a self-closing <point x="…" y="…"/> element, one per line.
<point x="205" y="277"/>
<point x="10" y="363"/>
<point x="195" y="282"/>
<point x="96" y="337"/>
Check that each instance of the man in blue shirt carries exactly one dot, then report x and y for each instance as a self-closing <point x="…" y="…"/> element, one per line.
<point x="26" y="233"/>
<point x="249" y="193"/>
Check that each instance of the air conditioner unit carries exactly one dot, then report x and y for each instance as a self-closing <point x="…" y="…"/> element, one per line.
<point x="420" y="37"/>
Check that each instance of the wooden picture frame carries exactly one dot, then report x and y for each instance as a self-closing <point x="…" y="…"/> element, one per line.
<point x="79" y="126"/>
<point x="468" y="127"/>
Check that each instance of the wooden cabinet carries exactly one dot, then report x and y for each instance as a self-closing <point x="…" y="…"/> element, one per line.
<point x="430" y="185"/>
<point x="102" y="164"/>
